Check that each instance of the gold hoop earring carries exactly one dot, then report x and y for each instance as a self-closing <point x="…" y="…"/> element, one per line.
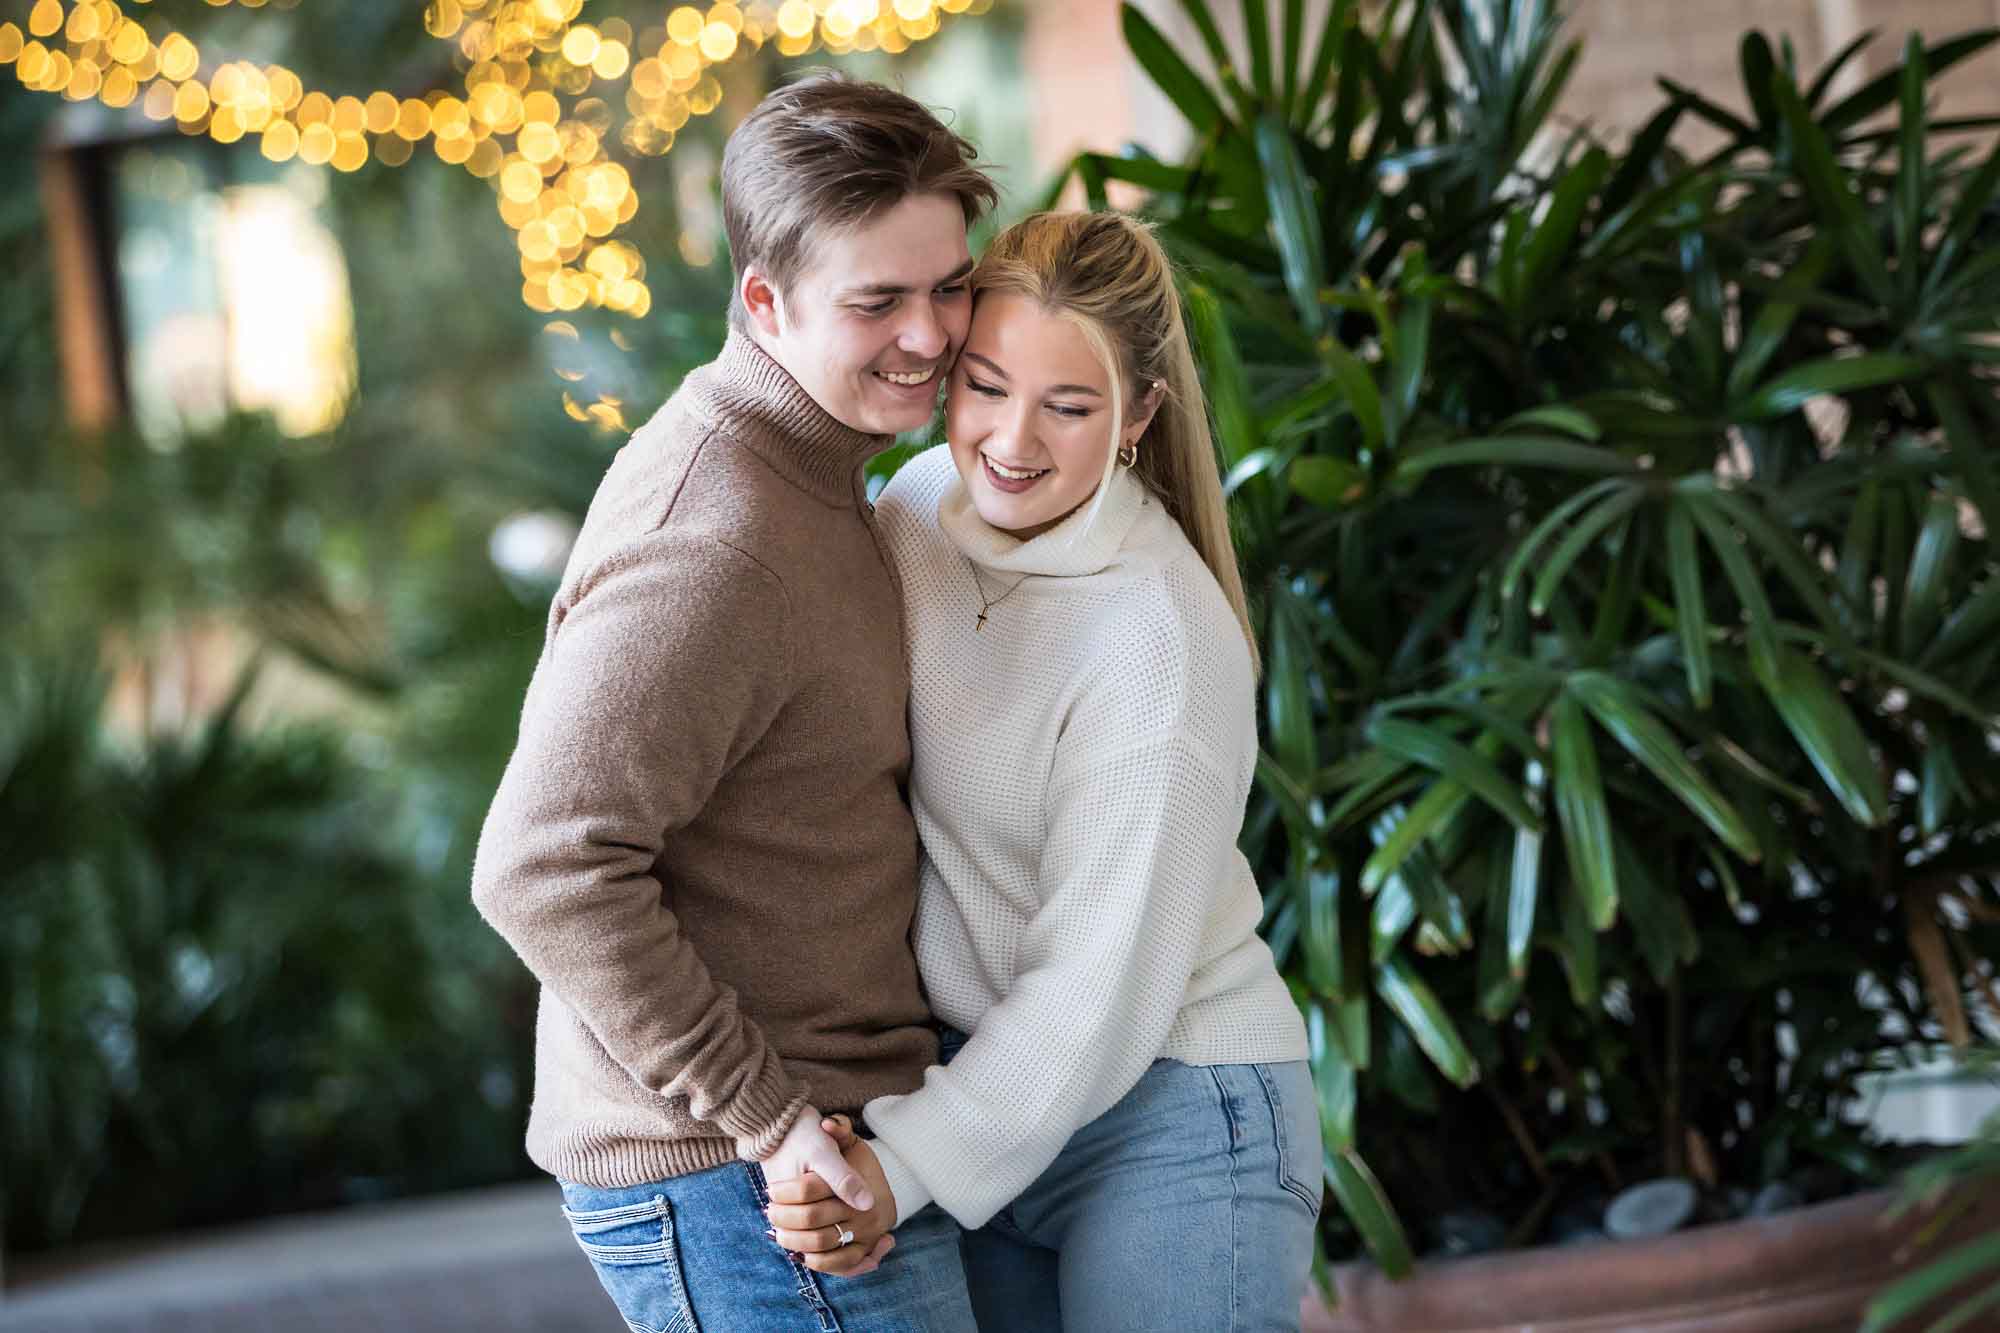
<point x="1128" y="455"/>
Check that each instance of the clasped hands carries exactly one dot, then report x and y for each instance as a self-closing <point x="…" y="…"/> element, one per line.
<point x="816" y="1196"/>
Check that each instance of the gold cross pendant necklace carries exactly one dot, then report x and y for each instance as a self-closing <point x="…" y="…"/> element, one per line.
<point x="986" y="604"/>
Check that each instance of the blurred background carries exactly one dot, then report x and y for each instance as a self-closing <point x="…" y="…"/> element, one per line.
<point x="318" y="324"/>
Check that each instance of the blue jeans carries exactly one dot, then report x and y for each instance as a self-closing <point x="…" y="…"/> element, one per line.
<point x="690" y="1254"/>
<point x="1189" y="1205"/>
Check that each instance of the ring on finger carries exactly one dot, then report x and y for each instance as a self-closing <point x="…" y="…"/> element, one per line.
<point x="846" y="1236"/>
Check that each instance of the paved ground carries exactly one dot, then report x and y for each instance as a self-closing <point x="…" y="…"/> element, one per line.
<point x="497" y="1259"/>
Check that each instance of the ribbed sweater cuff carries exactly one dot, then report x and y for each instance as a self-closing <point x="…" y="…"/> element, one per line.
<point x="761" y="1115"/>
<point x="909" y="1192"/>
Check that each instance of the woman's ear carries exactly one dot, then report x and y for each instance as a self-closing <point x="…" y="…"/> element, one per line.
<point x="1142" y="412"/>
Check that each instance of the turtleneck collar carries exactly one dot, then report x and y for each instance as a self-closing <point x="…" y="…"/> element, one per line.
<point x="757" y="402"/>
<point x="1068" y="550"/>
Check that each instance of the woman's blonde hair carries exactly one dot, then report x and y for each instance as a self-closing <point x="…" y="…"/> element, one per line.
<point x="1107" y="274"/>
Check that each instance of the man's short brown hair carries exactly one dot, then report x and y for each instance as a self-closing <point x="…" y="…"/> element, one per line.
<point x="828" y="152"/>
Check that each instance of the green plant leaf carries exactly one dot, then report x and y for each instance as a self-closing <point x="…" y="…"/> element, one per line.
<point x="1619" y="709"/>
<point x="1971" y="206"/>
<point x="1361" y="1197"/>
<point x="1912" y="188"/>
<point x="1759" y="68"/>
<point x="1578" y="947"/>
<point x="1972" y="625"/>
<point x="1904" y="1298"/>
<point x="1581" y="810"/>
<point x="1641" y="158"/>
<point x="1394" y="910"/>
<point x="1257" y="25"/>
<point x="1330" y="483"/>
<point x="1540" y="451"/>
<point x="1236" y="432"/>
<point x="1333" y="1079"/>
<point x="1294" y="218"/>
<point x="1556" y="234"/>
<point x="1524" y="883"/>
<point x="1401" y="833"/>
<point x="1792" y="389"/>
<point x="1882" y="90"/>
<point x="1357" y="385"/>
<point x="1579" y="539"/>
<point x="1412" y="1000"/>
<point x="1825" y="728"/>
<point x="1774" y="322"/>
<point x="1165" y="66"/>
<point x="1742" y="577"/>
<point x="1331" y="38"/>
<point x="1461" y="763"/>
<point x="1200" y="15"/>
<point x="1556" y="416"/>
<point x="1936" y="789"/>
<point x="1832" y="192"/>
<point x="1557" y="519"/>
<point x="1288" y="668"/>
<point x="1659" y="919"/>
<point x="1927" y="589"/>
<point x="1319" y="931"/>
<point x="1830" y="71"/>
<point x="1690" y="605"/>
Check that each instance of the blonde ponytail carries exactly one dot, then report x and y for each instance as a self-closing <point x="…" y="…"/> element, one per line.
<point x="1107" y="273"/>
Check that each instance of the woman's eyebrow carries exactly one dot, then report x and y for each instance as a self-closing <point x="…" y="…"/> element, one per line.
<point x="1071" y="389"/>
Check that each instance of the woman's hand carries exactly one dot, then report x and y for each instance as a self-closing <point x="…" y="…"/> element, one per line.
<point x="832" y="1236"/>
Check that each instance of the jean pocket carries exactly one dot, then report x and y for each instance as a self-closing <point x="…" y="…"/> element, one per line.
<point x="633" y="1250"/>
<point x="1295" y="1121"/>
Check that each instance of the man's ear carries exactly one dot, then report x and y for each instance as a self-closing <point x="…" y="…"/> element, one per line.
<point x="762" y="302"/>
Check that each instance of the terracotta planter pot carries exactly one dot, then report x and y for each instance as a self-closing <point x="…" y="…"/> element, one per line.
<point x="1803" y="1271"/>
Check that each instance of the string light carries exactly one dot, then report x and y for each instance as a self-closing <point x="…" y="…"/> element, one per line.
<point x="539" y="117"/>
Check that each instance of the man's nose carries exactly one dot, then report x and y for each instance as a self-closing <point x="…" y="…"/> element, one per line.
<point x="923" y="333"/>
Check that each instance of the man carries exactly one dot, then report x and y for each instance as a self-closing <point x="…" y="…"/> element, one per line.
<point x="713" y="750"/>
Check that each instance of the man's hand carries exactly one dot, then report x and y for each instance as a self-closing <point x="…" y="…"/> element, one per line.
<point x="808" y="1147"/>
<point x="833" y="1237"/>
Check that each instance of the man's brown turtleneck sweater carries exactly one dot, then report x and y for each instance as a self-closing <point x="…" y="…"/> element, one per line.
<point x="701" y="846"/>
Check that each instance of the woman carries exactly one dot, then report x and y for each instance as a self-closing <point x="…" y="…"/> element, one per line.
<point x="1128" y="1132"/>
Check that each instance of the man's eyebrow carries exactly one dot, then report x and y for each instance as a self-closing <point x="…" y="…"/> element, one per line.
<point x="899" y="289"/>
<point x="994" y="369"/>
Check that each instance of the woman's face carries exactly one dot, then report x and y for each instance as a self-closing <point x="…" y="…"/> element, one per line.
<point x="1029" y="415"/>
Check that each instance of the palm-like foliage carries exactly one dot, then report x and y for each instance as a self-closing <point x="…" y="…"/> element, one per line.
<point x="1619" y="524"/>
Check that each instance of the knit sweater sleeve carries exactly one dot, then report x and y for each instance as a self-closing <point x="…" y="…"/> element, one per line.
<point x="666" y="660"/>
<point x="1142" y="827"/>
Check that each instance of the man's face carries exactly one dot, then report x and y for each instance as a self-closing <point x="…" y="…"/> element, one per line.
<point x="871" y="327"/>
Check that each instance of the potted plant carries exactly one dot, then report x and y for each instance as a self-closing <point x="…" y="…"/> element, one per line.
<point x="1619" y="524"/>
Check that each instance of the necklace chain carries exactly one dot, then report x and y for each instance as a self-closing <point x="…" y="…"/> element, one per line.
<point x="987" y="604"/>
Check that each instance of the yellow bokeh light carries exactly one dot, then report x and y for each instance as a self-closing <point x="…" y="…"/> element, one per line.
<point x="392" y="150"/>
<point x="349" y="116"/>
<point x="129" y="44"/>
<point x="316" y="144"/>
<point x="120" y="88"/>
<point x="350" y="153"/>
<point x="580" y="45"/>
<point x="682" y="63"/>
<point x="685" y="25"/>
<point x="225" y="126"/>
<point x="486" y="159"/>
<point x="794" y="47"/>
<point x="454" y="148"/>
<point x="443" y="18"/>
<point x="190" y="102"/>
<point x="580" y="144"/>
<point x="649" y="79"/>
<point x="281" y="141"/>
<point x="450" y="119"/>
<point x="912" y="11"/>
<point x="159" y="101"/>
<point x="84" y="81"/>
<point x="178" y="58"/>
<point x="718" y="42"/>
<point x="538" y="142"/>
<point x="613" y="59"/>
<point x="795" y="19"/>
<point x="315" y="108"/>
<point x="705" y="96"/>
<point x="11" y="42"/>
<point x="286" y="90"/>
<point x="85" y="25"/>
<point x="46" y="18"/>
<point x="413" y="119"/>
<point x="382" y="109"/>
<point x="521" y="181"/>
